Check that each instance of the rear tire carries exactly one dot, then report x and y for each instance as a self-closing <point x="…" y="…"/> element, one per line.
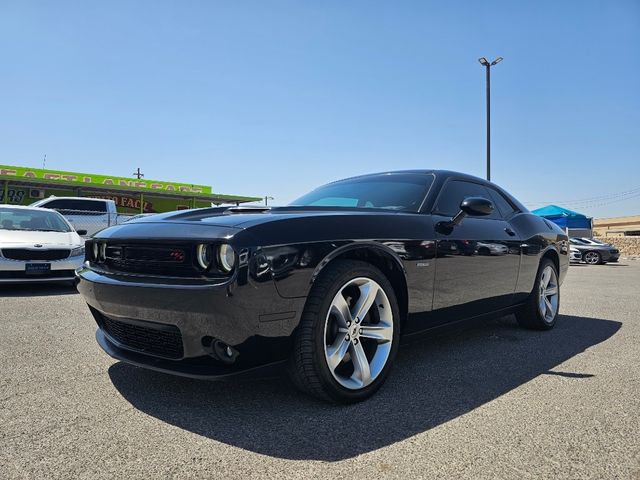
<point x="541" y="310"/>
<point x="348" y="335"/>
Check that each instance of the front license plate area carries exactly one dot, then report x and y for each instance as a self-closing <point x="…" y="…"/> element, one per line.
<point x="37" y="268"/>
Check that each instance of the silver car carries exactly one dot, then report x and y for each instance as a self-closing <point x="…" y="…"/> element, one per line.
<point x="575" y="256"/>
<point x="37" y="245"/>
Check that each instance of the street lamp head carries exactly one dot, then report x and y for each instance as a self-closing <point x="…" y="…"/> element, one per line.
<point x="497" y="60"/>
<point x="483" y="61"/>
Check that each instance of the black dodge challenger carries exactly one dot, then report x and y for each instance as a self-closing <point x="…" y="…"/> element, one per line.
<point x="324" y="287"/>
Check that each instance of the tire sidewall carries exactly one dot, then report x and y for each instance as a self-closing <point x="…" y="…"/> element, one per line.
<point x="334" y="389"/>
<point x="598" y="256"/>
<point x="544" y="264"/>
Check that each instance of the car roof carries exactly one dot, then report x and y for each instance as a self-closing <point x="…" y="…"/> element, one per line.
<point x="441" y="177"/>
<point x="440" y="173"/>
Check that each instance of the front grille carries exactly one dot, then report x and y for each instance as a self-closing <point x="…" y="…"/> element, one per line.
<point x="174" y="261"/>
<point x="171" y="260"/>
<point x="27" y="254"/>
<point x="614" y="251"/>
<point x="146" y="337"/>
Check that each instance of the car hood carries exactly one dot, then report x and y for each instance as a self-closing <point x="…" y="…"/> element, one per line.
<point x="24" y="238"/>
<point x="244" y="217"/>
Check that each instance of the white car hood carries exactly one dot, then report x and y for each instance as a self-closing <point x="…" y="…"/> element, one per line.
<point x="22" y="238"/>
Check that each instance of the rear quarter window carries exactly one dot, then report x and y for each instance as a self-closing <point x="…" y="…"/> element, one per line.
<point x="501" y="203"/>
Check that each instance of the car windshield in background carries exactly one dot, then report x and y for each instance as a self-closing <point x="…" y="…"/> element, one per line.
<point x="395" y="191"/>
<point x="576" y="241"/>
<point x="32" y="220"/>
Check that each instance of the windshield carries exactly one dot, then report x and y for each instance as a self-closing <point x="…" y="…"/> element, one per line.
<point x="394" y="191"/>
<point x="32" y="220"/>
<point x="592" y="241"/>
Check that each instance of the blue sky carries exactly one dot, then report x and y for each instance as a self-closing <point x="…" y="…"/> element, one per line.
<point x="277" y="97"/>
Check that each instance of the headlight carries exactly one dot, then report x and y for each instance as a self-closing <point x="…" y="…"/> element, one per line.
<point x="226" y="257"/>
<point x="77" y="251"/>
<point x="204" y="255"/>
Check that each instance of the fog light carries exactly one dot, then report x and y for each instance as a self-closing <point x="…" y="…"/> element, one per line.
<point x="223" y="352"/>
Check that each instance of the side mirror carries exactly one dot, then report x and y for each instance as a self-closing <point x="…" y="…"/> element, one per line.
<point x="474" y="207"/>
<point x="82" y="233"/>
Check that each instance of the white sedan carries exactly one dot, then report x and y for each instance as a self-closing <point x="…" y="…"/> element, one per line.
<point x="37" y="245"/>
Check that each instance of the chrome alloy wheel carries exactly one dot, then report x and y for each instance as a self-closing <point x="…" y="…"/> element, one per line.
<point x="592" y="258"/>
<point x="358" y="333"/>
<point x="548" y="297"/>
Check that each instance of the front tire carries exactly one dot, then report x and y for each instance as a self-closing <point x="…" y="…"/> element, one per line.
<point x="348" y="334"/>
<point x="541" y="310"/>
<point x="592" y="258"/>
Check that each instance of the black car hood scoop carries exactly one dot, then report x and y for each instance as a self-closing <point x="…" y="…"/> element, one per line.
<point x="247" y="209"/>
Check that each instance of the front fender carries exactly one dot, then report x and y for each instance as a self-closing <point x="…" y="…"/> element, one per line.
<point x="378" y="247"/>
<point x="295" y="267"/>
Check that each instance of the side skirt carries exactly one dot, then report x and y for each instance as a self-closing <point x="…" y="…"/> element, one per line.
<point x="457" y="324"/>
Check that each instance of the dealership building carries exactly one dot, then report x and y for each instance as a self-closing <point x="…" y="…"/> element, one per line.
<point x="25" y="185"/>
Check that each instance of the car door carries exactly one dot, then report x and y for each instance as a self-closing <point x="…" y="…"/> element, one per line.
<point x="477" y="261"/>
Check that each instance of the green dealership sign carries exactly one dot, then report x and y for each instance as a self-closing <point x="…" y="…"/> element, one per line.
<point x="79" y="179"/>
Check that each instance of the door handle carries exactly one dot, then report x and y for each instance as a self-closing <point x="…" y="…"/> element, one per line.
<point x="509" y="232"/>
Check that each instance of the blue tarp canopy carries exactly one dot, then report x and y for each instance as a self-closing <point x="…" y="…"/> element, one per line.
<point x="563" y="217"/>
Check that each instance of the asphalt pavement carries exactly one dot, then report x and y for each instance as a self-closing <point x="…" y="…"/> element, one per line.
<point x="489" y="401"/>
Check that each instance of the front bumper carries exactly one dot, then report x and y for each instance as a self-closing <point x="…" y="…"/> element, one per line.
<point x="13" y="271"/>
<point x="575" y="256"/>
<point x="204" y="368"/>
<point x="137" y="319"/>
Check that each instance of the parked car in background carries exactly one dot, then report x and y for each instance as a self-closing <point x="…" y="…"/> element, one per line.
<point x="323" y="287"/>
<point x="595" y="254"/>
<point x="88" y="214"/>
<point x="37" y="245"/>
<point x="593" y="241"/>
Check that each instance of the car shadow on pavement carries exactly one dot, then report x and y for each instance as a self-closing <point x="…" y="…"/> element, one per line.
<point x="36" y="289"/>
<point x="433" y="381"/>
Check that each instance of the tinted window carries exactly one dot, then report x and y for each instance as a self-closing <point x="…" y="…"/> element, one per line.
<point x="501" y="203"/>
<point x="58" y="204"/>
<point x="454" y="192"/>
<point x="395" y="191"/>
<point x="77" y="206"/>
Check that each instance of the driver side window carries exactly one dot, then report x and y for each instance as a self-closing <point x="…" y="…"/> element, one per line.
<point x="454" y="192"/>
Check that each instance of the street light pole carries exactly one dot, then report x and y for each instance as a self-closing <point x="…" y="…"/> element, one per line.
<point x="266" y="200"/>
<point x="484" y="62"/>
